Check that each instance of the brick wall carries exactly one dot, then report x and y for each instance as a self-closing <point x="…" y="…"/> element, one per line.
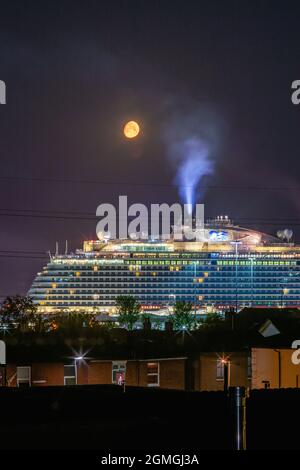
<point x="11" y="375"/>
<point x="134" y="374"/>
<point x="206" y="370"/>
<point x="82" y="373"/>
<point x="43" y="374"/>
<point x="100" y="372"/>
<point x="172" y="374"/>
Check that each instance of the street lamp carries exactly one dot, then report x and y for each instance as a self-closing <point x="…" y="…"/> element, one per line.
<point x="226" y="365"/>
<point x="78" y="358"/>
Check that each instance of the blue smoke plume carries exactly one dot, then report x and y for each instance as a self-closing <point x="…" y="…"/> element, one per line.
<point x="190" y="138"/>
<point x="193" y="159"/>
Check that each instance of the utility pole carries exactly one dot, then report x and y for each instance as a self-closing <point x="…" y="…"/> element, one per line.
<point x="195" y="290"/>
<point x="236" y="243"/>
<point x="226" y="368"/>
<point x="236" y="279"/>
<point x="3" y="362"/>
<point x="226" y="376"/>
<point x="237" y="401"/>
<point x="279" y="366"/>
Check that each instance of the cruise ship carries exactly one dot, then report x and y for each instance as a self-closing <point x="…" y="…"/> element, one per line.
<point x="231" y="267"/>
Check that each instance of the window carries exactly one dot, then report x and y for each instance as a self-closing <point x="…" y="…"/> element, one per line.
<point x="24" y="376"/>
<point x="118" y="372"/>
<point x="153" y="374"/>
<point x="220" y="370"/>
<point x="70" y="375"/>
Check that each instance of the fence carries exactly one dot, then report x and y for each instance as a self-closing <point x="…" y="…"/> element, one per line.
<point x="104" y="417"/>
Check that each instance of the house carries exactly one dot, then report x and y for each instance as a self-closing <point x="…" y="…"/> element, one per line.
<point x="254" y="351"/>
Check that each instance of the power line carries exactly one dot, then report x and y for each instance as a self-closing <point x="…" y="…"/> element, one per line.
<point x="72" y="213"/>
<point x="22" y="256"/>
<point x="47" y="216"/>
<point x="265" y="222"/>
<point x="123" y="183"/>
<point x="24" y="251"/>
<point x="31" y="213"/>
<point x="48" y="211"/>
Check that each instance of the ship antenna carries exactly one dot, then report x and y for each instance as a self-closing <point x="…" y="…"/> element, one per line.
<point x="56" y="250"/>
<point x="66" y="250"/>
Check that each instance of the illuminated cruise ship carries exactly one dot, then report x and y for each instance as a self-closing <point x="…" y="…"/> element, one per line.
<point x="229" y="267"/>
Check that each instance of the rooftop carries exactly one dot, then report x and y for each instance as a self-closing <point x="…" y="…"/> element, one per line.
<point x="102" y="343"/>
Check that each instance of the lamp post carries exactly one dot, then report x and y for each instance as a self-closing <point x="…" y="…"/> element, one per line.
<point x="195" y="290"/>
<point x="251" y="273"/>
<point x="237" y="403"/>
<point x="236" y="243"/>
<point x="77" y="361"/>
<point x="279" y="366"/>
<point x="237" y="400"/>
<point x="226" y="366"/>
<point x="3" y="361"/>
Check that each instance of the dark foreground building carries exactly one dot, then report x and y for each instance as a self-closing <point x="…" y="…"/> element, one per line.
<point x="253" y="349"/>
<point x="257" y="368"/>
<point x="67" y="391"/>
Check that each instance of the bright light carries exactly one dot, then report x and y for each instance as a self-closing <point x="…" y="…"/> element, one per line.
<point x="131" y="129"/>
<point x="78" y="358"/>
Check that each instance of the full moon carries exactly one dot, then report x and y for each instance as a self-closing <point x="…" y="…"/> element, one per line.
<point x="131" y="129"/>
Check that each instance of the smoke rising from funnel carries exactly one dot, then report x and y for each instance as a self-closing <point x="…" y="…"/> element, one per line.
<point x="193" y="164"/>
<point x="191" y="139"/>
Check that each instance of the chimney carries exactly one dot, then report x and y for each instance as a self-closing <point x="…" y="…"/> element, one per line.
<point x="229" y="316"/>
<point x="147" y="324"/>
<point x="169" y="326"/>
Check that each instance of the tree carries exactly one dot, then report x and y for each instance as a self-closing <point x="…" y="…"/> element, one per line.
<point x="72" y="321"/>
<point x="212" y="320"/>
<point x="183" y="318"/>
<point x="18" y="312"/>
<point x="40" y="323"/>
<point x="128" y="310"/>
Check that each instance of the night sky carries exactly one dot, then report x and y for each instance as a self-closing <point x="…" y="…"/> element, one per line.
<point x="77" y="71"/>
